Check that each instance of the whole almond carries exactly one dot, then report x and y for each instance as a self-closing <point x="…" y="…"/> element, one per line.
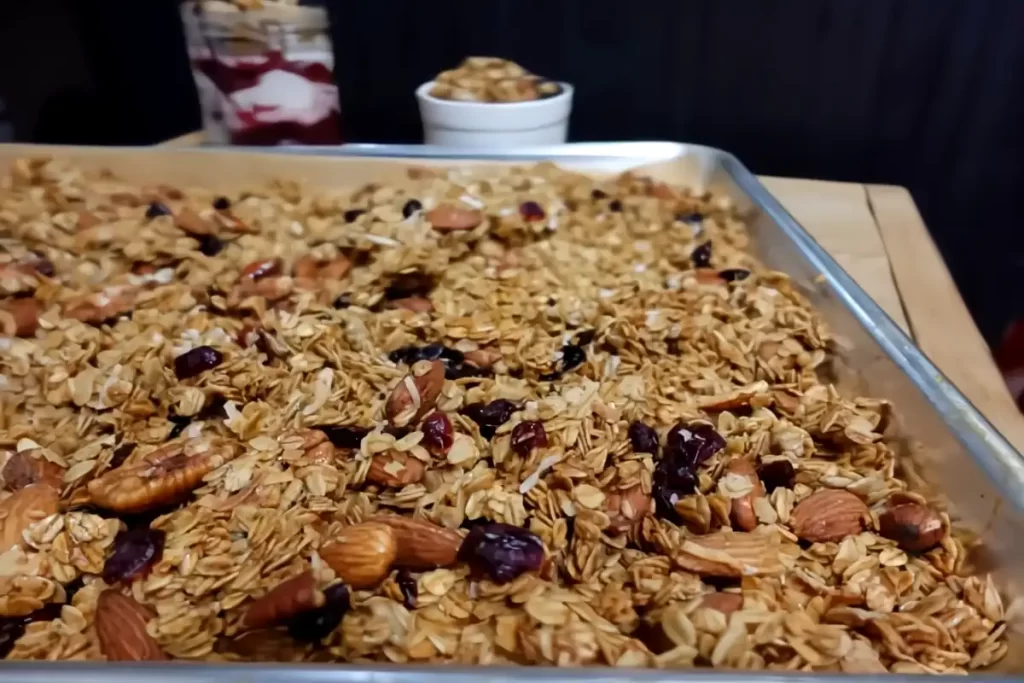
<point x="192" y="223"/>
<point x="422" y="544"/>
<point x="286" y="600"/>
<point x="22" y="319"/>
<point x="23" y="469"/>
<point x="626" y="508"/>
<point x="121" y="628"/>
<point x="915" y="527"/>
<point x="447" y="218"/>
<point x="416" y="394"/>
<point x="828" y="515"/>
<point x="394" y="468"/>
<point x="361" y="555"/>
<point x="742" y="511"/>
<point x="22" y="509"/>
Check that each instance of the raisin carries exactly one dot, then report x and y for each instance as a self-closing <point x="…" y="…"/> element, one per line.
<point x="692" y="445"/>
<point x="572" y="356"/>
<point x="135" y="551"/>
<point x="531" y="211"/>
<point x="455" y="366"/>
<point x="692" y="217"/>
<point x="411" y="207"/>
<point x="777" y="474"/>
<point x="222" y="203"/>
<point x="210" y="245"/>
<point x="615" y="205"/>
<point x="734" y="274"/>
<point x="316" y="624"/>
<point x="352" y="214"/>
<point x="197" y="361"/>
<point x="528" y="435"/>
<point x="343" y="301"/>
<point x="180" y="423"/>
<point x="490" y="416"/>
<point x="42" y="265"/>
<point x="405" y="285"/>
<point x="701" y="255"/>
<point x="643" y="438"/>
<point x="342" y="436"/>
<point x="157" y="209"/>
<point x="437" y="433"/>
<point x="585" y="337"/>
<point x="501" y="551"/>
<point x="410" y="590"/>
<point x="671" y="482"/>
<point x="596" y="194"/>
<point x="121" y="454"/>
<point x="11" y="628"/>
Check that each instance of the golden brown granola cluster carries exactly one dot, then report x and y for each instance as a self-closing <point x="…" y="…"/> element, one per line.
<point x="491" y="79"/>
<point x="524" y="417"/>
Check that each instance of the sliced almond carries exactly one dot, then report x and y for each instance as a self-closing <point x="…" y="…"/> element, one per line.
<point x="732" y="553"/>
<point x="395" y="469"/>
<point x="829" y="515"/>
<point x="24" y="508"/>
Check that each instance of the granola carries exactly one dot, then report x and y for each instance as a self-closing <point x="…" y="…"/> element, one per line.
<point x="491" y="79"/>
<point x="602" y="435"/>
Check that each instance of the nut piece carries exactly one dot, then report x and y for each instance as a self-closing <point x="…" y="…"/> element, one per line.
<point x="483" y="358"/>
<point x="731" y="553"/>
<point x="447" y="218"/>
<point x="106" y="305"/>
<point x="394" y="468"/>
<point x="20" y="317"/>
<point x="416" y="304"/>
<point x="161" y="478"/>
<point x="121" y="629"/>
<point x="361" y="555"/>
<point x="22" y="469"/>
<point x="828" y="515"/>
<point x="726" y="603"/>
<point x="194" y="224"/>
<point x="416" y="394"/>
<point x="913" y="526"/>
<point x="284" y="601"/>
<point x="22" y="509"/>
<point x="626" y="508"/>
<point x="422" y="544"/>
<point x="742" y="512"/>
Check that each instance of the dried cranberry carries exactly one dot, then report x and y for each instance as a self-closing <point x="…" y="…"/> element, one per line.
<point x="615" y="205"/>
<point x="437" y="433"/>
<point x="734" y="274"/>
<point x="222" y="203"/>
<point x="121" y="454"/>
<point x="490" y="416"/>
<point x="528" y="435"/>
<point x="405" y="285"/>
<point x="197" y="361"/>
<point x="531" y="211"/>
<point x="701" y="256"/>
<point x="692" y="217"/>
<point x="317" y="624"/>
<point x="501" y="551"/>
<point x="411" y="207"/>
<point x="643" y="438"/>
<point x="157" y="209"/>
<point x="572" y="357"/>
<point x="777" y="474"/>
<point x="598" y="194"/>
<point x="42" y="265"/>
<point x="410" y="590"/>
<point x="693" y="445"/>
<point x="672" y="481"/>
<point x="352" y="214"/>
<point x="180" y="423"/>
<point x="210" y="245"/>
<point x="135" y="551"/>
<point x="343" y="437"/>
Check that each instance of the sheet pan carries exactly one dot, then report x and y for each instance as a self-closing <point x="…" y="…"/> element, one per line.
<point x="949" y="449"/>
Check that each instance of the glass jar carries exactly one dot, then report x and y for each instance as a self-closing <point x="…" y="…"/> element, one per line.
<point x="265" y="76"/>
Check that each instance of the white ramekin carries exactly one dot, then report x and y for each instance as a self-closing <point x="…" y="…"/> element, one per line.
<point x="494" y="124"/>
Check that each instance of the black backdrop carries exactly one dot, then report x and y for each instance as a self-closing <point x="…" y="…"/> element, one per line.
<point x="928" y="94"/>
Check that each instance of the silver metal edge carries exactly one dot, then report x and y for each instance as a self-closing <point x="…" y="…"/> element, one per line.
<point x="121" y="672"/>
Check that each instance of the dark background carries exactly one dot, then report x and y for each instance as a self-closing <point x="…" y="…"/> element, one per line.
<point x="928" y="94"/>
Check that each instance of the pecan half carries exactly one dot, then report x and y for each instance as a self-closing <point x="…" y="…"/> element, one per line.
<point x="286" y="600"/>
<point x="121" y="628"/>
<point x="828" y="515"/>
<point x="394" y="468"/>
<point x="163" y="477"/>
<point x="361" y="555"/>
<point x="416" y="394"/>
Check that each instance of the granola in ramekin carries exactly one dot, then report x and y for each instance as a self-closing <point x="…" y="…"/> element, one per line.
<point x="491" y="79"/>
<point x="517" y="417"/>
